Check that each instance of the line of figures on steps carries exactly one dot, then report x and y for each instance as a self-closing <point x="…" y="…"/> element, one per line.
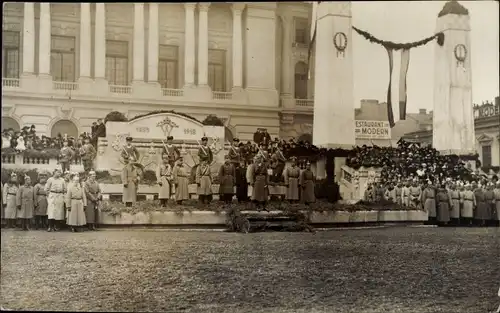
<point x="451" y="203"/>
<point x="53" y="202"/>
<point x="234" y="175"/>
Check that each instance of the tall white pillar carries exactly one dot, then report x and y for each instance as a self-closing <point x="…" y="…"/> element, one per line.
<point x="333" y="125"/>
<point x="203" y="43"/>
<point x="138" y="57"/>
<point x="29" y="38"/>
<point x="286" y="73"/>
<point x="453" y="119"/>
<point x="100" y="41"/>
<point x="85" y="40"/>
<point x="153" y="45"/>
<point x="189" y="45"/>
<point x="237" y="45"/>
<point x="45" y="40"/>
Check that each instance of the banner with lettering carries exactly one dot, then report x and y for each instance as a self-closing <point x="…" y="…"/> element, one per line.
<point x="364" y="129"/>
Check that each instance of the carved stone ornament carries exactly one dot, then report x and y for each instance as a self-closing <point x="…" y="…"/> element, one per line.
<point x="340" y="42"/>
<point x="460" y="52"/>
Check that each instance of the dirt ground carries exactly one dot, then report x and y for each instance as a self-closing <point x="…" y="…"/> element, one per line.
<point x="402" y="269"/>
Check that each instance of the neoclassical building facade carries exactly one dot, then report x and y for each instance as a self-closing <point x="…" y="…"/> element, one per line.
<point x="65" y="65"/>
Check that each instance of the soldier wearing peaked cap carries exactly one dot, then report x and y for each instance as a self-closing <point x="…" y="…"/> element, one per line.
<point x="468" y="202"/>
<point x="130" y="181"/>
<point x="307" y="183"/>
<point x="455" y="205"/>
<point x="66" y="155"/>
<point x="235" y="153"/>
<point x="41" y="201"/>
<point x="171" y="151"/>
<point x="129" y="151"/>
<point x="204" y="151"/>
<point x="93" y="195"/>
<point x="429" y="202"/>
<point x="292" y="177"/>
<point x="9" y="197"/>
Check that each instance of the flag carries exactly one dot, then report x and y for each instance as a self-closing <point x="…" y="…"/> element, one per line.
<point x="314" y="23"/>
<point x="405" y="62"/>
<point x="390" y="114"/>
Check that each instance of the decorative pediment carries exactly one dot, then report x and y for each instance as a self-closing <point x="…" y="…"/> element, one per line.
<point x="484" y="139"/>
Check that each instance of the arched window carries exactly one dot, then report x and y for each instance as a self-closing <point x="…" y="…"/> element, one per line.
<point x="64" y="127"/>
<point x="9" y="122"/>
<point x="306" y="138"/>
<point x="301" y="80"/>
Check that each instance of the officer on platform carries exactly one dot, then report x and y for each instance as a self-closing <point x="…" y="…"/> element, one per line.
<point x="204" y="152"/>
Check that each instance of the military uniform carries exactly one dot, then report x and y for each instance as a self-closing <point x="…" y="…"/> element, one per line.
<point x="429" y="202"/>
<point x="234" y="153"/>
<point x="181" y="181"/>
<point x="405" y="195"/>
<point x="443" y="206"/>
<point x="481" y="212"/>
<point x="164" y="182"/>
<point x="468" y="202"/>
<point x="76" y="201"/>
<point x="307" y="182"/>
<point x="88" y="154"/>
<point x="204" y="182"/>
<point x="56" y="189"/>
<point x="204" y="152"/>
<point x="25" y="205"/>
<point x="259" y="179"/>
<point x="93" y="196"/>
<point x="130" y="181"/>
<point x="292" y="177"/>
<point x="66" y="155"/>
<point x="415" y="196"/>
<point x="241" y="184"/>
<point x="496" y="213"/>
<point x="130" y="152"/>
<point x="455" y="206"/>
<point x="227" y="179"/>
<point x="171" y="151"/>
<point x="9" y="198"/>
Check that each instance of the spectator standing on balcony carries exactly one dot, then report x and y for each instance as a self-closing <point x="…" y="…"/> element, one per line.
<point x="165" y="181"/>
<point x="41" y="202"/>
<point x="130" y="181"/>
<point x="9" y="198"/>
<point x="130" y="152"/>
<point x="65" y="156"/>
<point x="88" y="154"/>
<point x="25" y="203"/>
<point x="56" y="188"/>
<point x="307" y="182"/>
<point x="292" y="177"/>
<point x="227" y="180"/>
<point x="181" y="181"/>
<point x="204" y="151"/>
<point x="93" y="195"/>
<point x="204" y="182"/>
<point x="76" y="201"/>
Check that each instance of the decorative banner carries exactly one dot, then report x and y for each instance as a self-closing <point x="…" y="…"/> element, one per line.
<point x="372" y="130"/>
<point x="390" y="114"/>
<point x="405" y="62"/>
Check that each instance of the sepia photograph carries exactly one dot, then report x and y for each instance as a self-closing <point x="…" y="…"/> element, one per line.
<point x="251" y="157"/>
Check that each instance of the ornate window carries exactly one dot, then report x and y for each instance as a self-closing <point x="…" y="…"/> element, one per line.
<point x="62" y="58"/>
<point x="117" y="62"/>
<point x="217" y="69"/>
<point x="168" y="66"/>
<point x="486" y="155"/>
<point x="10" y="54"/>
<point x="301" y="81"/>
<point x="301" y="31"/>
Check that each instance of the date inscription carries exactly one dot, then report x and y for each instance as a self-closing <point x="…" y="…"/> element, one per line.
<point x="189" y="131"/>
<point x="142" y="129"/>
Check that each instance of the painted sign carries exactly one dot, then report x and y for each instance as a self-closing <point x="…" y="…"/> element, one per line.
<point x="372" y="130"/>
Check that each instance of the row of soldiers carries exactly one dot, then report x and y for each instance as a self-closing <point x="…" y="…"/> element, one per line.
<point x="454" y="203"/>
<point x="52" y="203"/>
<point x="235" y="176"/>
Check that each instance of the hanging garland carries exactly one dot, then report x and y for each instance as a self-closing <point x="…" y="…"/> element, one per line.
<point x="398" y="46"/>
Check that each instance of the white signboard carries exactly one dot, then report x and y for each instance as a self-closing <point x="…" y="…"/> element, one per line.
<point x="372" y="130"/>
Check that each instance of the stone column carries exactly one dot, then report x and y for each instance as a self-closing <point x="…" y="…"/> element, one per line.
<point x="153" y="45"/>
<point x="45" y="40"/>
<point x="287" y="65"/>
<point x="453" y="119"/>
<point x="237" y="46"/>
<point x="203" y="44"/>
<point x="85" y="41"/>
<point x="333" y="125"/>
<point x="29" y="39"/>
<point x="100" y="41"/>
<point x="189" y="46"/>
<point x="138" y="56"/>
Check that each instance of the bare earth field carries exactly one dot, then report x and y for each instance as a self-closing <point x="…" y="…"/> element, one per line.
<point x="402" y="269"/>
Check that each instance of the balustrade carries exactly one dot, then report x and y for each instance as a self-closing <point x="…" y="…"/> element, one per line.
<point x="120" y="89"/>
<point x="64" y="85"/>
<point x="219" y="95"/>
<point x="169" y="92"/>
<point x="11" y="82"/>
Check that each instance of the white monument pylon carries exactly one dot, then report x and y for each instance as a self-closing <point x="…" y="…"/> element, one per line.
<point x="333" y="125"/>
<point x="453" y="118"/>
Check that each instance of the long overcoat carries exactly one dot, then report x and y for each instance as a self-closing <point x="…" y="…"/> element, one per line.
<point x="443" y="206"/>
<point x="26" y="202"/>
<point x="489" y="198"/>
<point x="292" y="177"/>
<point x="165" y="178"/>
<point x="56" y="188"/>
<point x="9" y="198"/>
<point x="93" y="195"/>
<point x="130" y="178"/>
<point x="259" y="180"/>
<point x="482" y="211"/>
<point x="204" y="180"/>
<point x="307" y="182"/>
<point x="429" y="200"/>
<point x="76" y="201"/>
<point x="455" y="203"/>
<point x="181" y="181"/>
<point x="241" y="183"/>
<point x="227" y="179"/>
<point x="40" y="200"/>
<point x="468" y="202"/>
<point x="497" y="204"/>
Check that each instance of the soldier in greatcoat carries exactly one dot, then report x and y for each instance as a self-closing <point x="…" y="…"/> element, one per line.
<point x="489" y="198"/>
<point x="429" y="202"/>
<point x="129" y="151"/>
<point x="130" y="181"/>
<point x="25" y="203"/>
<point x="171" y="151"/>
<point x="40" y="202"/>
<point x="259" y="180"/>
<point x="468" y="202"/>
<point x="66" y="155"/>
<point x="390" y="193"/>
<point x="443" y="206"/>
<point x="88" y="154"/>
<point x="405" y="194"/>
<point x="398" y="193"/>
<point x="292" y="177"/>
<point x="235" y="153"/>
<point x="204" y="182"/>
<point x="307" y="183"/>
<point x="56" y="188"/>
<point x="76" y="201"/>
<point x="496" y="213"/>
<point x="181" y="181"/>
<point x="248" y="174"/>
<point x="241" y="182"/>
<point x="227" y="180"/>
<point x="415" y="195"/>
<point x="165" y="180"/>
<point x="93" y="195"/>
<point x="9" y="198"/>
<point x="455" y="205"/>
<point x="481" y="212"/>
<point x="204" y="152"/>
